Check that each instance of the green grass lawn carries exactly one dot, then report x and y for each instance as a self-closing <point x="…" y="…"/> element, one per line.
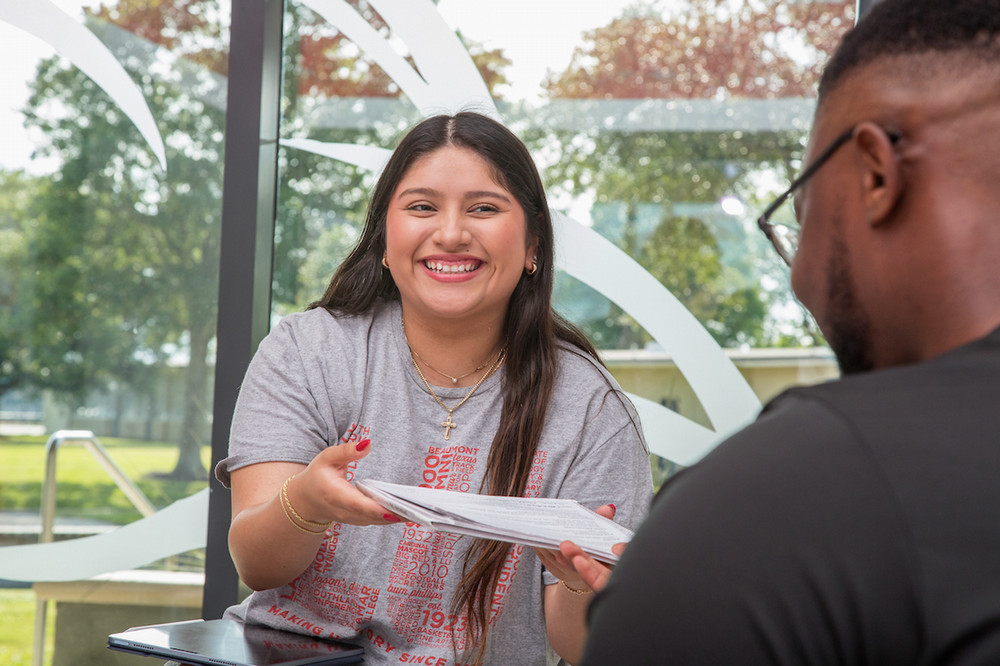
<point x="17" y="608"/>
<point x="83" y="490"/>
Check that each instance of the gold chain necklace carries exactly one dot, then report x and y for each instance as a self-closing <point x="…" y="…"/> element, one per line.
<point x="448" y="424"/>
<point x="454" y="380"/>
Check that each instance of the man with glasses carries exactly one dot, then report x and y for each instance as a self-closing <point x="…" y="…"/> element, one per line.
<point x="858" y="521"/>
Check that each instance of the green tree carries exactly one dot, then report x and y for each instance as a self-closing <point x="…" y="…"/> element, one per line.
<point x="666" y="185"/>
<point x="125" y="256"/>
<point x="16" y="193"/>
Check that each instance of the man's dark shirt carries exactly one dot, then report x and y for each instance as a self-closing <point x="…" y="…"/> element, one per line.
<point x="855" y="522"/>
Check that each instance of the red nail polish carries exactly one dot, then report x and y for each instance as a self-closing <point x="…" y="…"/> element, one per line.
<point x="614" y="509"/>
<point x="391" y="518"/>
<point x="363" y="444"/>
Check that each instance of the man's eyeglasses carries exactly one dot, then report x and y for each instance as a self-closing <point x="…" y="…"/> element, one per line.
<point x="785" y="237"/>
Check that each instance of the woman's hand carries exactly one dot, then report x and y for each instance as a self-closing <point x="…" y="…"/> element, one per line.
<point x="273" y="540"/>
<point x="322" y="493"/>
<point x="566" y="603"/>
<point x="562" y="568"/>
<point x="594" y="574"/>
<point x="575" y="568"/>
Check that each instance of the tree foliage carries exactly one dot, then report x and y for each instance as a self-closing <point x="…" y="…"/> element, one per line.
<point x="126" y="256"/>
<point x="17" y="191"/>
<point x="192" y="29"/>
<point x="702" y="51"/>
<point x="706" y="50"/>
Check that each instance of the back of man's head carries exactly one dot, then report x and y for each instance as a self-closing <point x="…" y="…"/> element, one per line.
<point x="970" y="28"/>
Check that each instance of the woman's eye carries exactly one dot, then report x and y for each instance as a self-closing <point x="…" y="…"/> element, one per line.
<point x="420" y="207"/>
<point x="484" y="208"/>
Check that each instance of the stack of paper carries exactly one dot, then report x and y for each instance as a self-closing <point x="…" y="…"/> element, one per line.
<point x="539" y="522"/>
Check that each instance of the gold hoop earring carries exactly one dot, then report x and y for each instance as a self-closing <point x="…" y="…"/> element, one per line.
<point x="385" y="264"/>
<point x="533" y="269"/>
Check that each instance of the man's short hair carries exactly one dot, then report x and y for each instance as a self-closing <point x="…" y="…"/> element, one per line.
<point x="912" y="27"/>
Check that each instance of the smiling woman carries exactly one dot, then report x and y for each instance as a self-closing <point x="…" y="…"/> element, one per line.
<point x="457" y="245"/>
<point x="443" y="305"/>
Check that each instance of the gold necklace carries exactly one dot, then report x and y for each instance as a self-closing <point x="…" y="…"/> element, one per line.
<point x="454" y="380"/>
<point x="448" y="424"/>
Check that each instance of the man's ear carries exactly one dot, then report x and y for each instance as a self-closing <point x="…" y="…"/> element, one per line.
<point x="881" y="177"/>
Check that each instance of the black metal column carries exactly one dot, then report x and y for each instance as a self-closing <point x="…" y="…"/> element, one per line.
<point x="245" y="264"/>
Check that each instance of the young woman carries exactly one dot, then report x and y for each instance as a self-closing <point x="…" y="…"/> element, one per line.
<point x="434" y="358"/>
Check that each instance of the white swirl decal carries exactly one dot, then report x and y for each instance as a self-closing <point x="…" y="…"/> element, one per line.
<point x="81" y="47"/>
<point x="178" y="528"/>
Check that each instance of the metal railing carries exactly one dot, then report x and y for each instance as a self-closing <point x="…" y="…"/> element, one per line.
<point x="47" y="534"/>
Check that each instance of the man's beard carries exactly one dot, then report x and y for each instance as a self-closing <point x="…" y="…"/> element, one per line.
<point x="850" y="330"/>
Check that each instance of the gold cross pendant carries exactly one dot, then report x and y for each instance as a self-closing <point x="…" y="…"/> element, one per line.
<point x="448" y="425"/>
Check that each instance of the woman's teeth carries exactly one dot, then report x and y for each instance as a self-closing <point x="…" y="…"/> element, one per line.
<point x="439" y="267"/>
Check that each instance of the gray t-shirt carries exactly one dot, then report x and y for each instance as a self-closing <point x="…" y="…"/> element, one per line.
<point x="320" y="379"/>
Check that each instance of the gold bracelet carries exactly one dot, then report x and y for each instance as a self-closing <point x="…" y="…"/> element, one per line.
<point x="284" y="496"/>
<point x="286" y="506"/>
<point x="580" y="592"/>
<point x="295" y="524"/>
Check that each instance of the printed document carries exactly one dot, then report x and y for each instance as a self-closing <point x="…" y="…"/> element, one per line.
<point x="533" y="521"/>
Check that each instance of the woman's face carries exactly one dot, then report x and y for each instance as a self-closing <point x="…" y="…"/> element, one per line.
<point x="456" y="241"/>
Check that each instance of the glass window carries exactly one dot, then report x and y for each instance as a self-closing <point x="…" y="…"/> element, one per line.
<point x="110" y="208"/>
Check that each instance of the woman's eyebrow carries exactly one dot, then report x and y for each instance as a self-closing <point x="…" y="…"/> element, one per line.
<point x="490" y="194"/>
<point x="476" y="194"/>
<point x="423" y="191"/>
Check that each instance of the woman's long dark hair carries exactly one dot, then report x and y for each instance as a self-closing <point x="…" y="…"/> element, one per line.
<point x="531" y="328"/>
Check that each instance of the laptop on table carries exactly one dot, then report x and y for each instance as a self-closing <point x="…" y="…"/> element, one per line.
<point x="231" y="643"/>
